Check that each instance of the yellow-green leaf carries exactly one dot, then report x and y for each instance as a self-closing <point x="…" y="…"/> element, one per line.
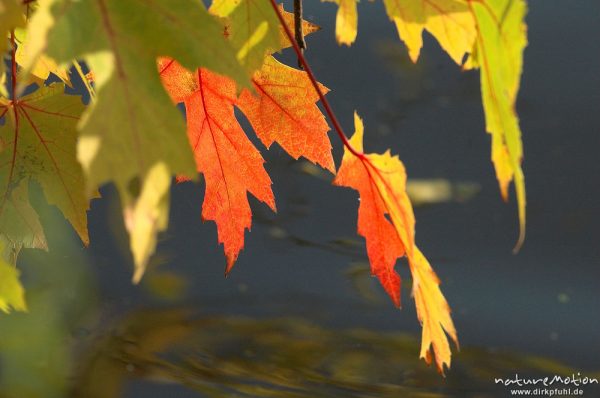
<point x="253" y="29"/>
<point x="346" y="21"/>
<point x="147" y="216"/>
<point x="499" y="53"/>
<point x="39" y="138"/>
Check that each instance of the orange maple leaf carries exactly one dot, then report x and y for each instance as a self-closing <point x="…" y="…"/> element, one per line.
<point x="386" y="220"/>
<point x="284" y="110"/>
<point x="231" y="165"/>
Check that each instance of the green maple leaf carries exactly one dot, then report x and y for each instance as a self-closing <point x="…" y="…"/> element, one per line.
<point x="39" y="140"/>
<point x="133" y="128"/>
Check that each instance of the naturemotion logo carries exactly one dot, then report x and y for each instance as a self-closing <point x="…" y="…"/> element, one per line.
<point x="547" y="386"/>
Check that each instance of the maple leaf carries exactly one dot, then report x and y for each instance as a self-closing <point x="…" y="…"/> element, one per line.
<point x="231" y="165"/>
<point x="449" y="21"/>
<point x="284" y="110"/>
<point x="39" y="139"/>
<point x="346" y="21"/>
<point x="132" y="127"/>
<point x="11" y="17"/>
<point x="386" y="220"/>
<point x="498" y="51"/>
<point x="12" y="294"/>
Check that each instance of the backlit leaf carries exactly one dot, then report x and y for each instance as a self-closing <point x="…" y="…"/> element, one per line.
<point x="346" y="21"/>
<point x="231" y="165"/>
<point x="499" y="54"/>
<point x="283" y="109"/>
<point x="386" y="220"/>
<point x="39" y="139"/>
<point x="449" y="21"/>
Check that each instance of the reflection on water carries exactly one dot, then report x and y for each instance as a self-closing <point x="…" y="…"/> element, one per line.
<point x="284" y="357"/>
<point x="289" y="358"/>
<point x="66" y="347"/>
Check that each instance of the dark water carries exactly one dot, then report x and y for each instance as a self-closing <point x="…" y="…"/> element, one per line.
<point x="299" y="316"/>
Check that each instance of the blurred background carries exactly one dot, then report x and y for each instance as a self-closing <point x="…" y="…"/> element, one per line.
<point x="300" y="315"/>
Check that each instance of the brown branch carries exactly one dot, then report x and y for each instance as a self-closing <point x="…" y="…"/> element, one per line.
<point x="298" y="32"/>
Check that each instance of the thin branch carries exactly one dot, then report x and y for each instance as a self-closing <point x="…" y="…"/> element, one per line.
<point x="298" y="24"/>
<point x="336" y="124"/>
<point x="299" y="34"/>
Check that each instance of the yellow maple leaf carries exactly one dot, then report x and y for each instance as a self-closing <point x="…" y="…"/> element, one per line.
<point x="449" y="21"/>
<point x="386" y="220"/>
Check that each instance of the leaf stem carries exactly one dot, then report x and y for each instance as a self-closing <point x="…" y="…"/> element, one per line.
<point x="336" y="124"/>
<point x="87" y="84"/>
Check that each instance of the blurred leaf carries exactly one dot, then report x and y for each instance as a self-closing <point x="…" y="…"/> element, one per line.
<point x="12" y="294"/>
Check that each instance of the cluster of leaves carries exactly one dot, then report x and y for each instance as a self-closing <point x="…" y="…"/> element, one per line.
<point x="146" y="55"/>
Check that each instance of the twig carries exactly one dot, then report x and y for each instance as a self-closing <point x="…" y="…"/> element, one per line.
<point x="336" y="124"/>
<point x="298" y="32"/>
